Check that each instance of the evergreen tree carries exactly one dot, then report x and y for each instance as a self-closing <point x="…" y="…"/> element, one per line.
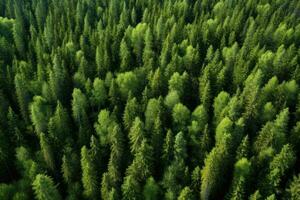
<point x="99" y="93"/>
<point x="181" y="116"/>
<point x="242" y="170"/>
<point x="293" y="189"/>
<point x="131" y="112"/>
<point x="136" y="135"/>
<point x="89" y="175"/>
<point x="23" y="96"/>
<point x="58" y="80"/>
<point x="44" y="188"/>
<point x="59" y="125"/>
<point x="47" y="152"/>
<point x="185" y="194"/>
<point x="70" y="163"/>
<point x="151" y="189"/>
<point x="104" y="126"/>
<point x="40" y="113"/>
<point x="214" y="170"/>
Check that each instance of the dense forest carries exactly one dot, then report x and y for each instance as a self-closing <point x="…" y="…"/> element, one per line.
<point x="149" y="99"/>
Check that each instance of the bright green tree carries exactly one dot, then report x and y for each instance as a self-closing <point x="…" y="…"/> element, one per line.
<point x="89" y="175"/>
<point x="44" y="188"/>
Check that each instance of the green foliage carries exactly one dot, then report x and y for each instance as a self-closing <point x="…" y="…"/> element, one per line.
<point x="242" y="170"/>
<point x="273" y="133"/>
<point x="58" y="126"/>
<point x="23" y="96"/>
<point x="79" y="106"/>
<point x="181" y="116"/>
<point x="151" y="189"/>
<point x="99" y="93"/>
<point x="153" y="110"/>
<point x="40" y="113"/>
<point x="280" y="164"/>
<point x="47" y="151"/>
<point x="128" y="83"/>
<point x="174" y="99"/>
<point x="131" y="112"/>
<point x="293" y="191"/>
<point x="136" y="135"/>
<point x="70" y="163"/>
<point x="89" y="175"/>
<point x="44" y="188"/>
<point x="104" y="126"/>
<point x="185" y="194"/>
<point x="215" y="169"/>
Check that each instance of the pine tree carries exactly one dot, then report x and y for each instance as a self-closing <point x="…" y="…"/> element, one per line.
<point x="23" y="96"/>
<point x="79" y="108"/>
<point x="142" y="164"/>
<point x="273" y="133"/>
<point x="20" y="26"/>
<point x="220" y="103"/>
<point x="181" y="116"/>
<point x="168" y="146"/>
<point x="172" y="99"/>
<point x="104" y="126"/>
<point x="148" y="53"/>
<point x="47" y="151"/>
<point x="99" y="93"/>
<point x="151" y="189"/>
<point x="186" y="194"/>
<point x="13" y="127"/>
<point x="58" y="81"/>
<point x="180" y="150"/>
<point x="127" y="82"/>
<point x="40" y="113"/>
<point x="70" y="163"/>
<point x="242" y="170"/>
<point x="157" y="83"/>
<point x="279" y="166"/>
<point x="131" y="111"/>
<point x="215" y="169"/>
<point x="117" y="154"/>
<point x="114" y="93"/>
<point x="152" y="112"/>
<point x="293" y="191"/>
<point x="89" y="175"/>
<point x="59" y="125"/>
<point x="136" y="135"/>
<point x="131" y="189"/>
<point x="44" y="188"/>
<point x="125" y="56"/>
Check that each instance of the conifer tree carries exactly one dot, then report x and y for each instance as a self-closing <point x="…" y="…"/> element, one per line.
<point x="58" y="80"/>
<point x="125" y="56"/>
<point x="242" y="170"/>
<point x="293" y="188"/>
<point x="214" y="170"/>
<point x="89" y="175"/>
<point x="59" y="125"/>
<point x="136" y="135"/>
<point x="23" y="96"/>
<point x="47" y="152"/>
<point x="151" y="189"/>
<point x="99" y="93"/>
<point x="70" y="163"/>
<point x="131" y="111"/>
<point x="44" y="188"/>
<point x="185" y="194"/>
<point x="40" y="113"/>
